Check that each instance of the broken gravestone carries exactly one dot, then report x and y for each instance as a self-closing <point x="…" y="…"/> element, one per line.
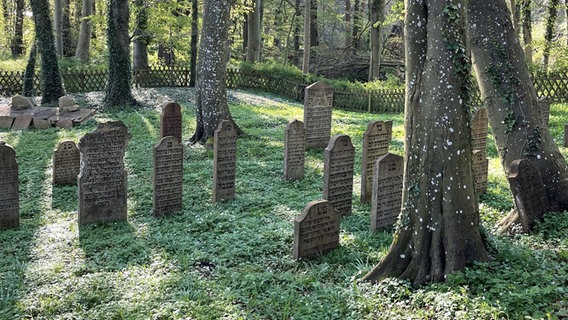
<point x="224" y="161"/>
<point x="339" y="157"/>
<point x="21" y="103"/>
<point x="318" y="102"/>
<point x="167" y="178"/>
<point x="316" y="230"/>
<point x="66" y="162"/>
<point x="375" y="144"/>
<point x="294" y="149"/>
<point x="9" y="188"/>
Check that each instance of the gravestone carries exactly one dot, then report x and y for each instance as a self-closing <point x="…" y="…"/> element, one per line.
<point x="170" y="120"/>
<point x="387" y="190"/>
<point x="480" y="166"/>
<point x="375" y="144"/>
<point x="566" y="136"/>
<point x="22" y="122"/>
<point x="544" y="105"/>
<point x="528" y="191"/>
<point x="6" y="122"/>
<point x="9" y="188"/>
<point x="294" y="149"/>
<point x="102" y="180"/>
<point x="318" y="101"/>
<point x="66" y="162"/>
<point x="339" y="157"/>
<point x="479" y="130"/>
<point x="20" y="103"/>
<point x="168" y="173"/>
<point x="316" y="230"/>
<point x="224" y="161"/>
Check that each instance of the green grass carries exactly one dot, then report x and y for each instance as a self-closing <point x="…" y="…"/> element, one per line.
<point x="233" y="260"/>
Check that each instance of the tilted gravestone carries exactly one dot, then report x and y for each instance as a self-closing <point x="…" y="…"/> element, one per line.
<point x="294" y="149"/>
<point x="102" y="181"/>
<point x="316" y="230"/>
<point x="318" y="101"/>
<point x="387" y="191"/>
<point x="224" y="161"/>
<point x="528" y="191"/>
<point x="9" y="188"/>
<point x="479" y="130"/>
<point x="171" y="120"/>
<point x="66" y="163"/>
<point x="339" y="157"/>
<point x="168" y="173"/>
<point x="375" y="144"/>
<point x="480" y="166"/>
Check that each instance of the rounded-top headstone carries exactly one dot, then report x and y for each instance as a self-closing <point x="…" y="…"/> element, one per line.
<point x="66" y="101"/>
<point x="316" y="230"/>
<point x="171" y="120"/>
<point x="9" y="188"/>
<point x="20" y="102"/>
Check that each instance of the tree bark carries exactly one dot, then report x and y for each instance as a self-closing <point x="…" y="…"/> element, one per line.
<point x="511" y="100"/>
<point x="295" y="57"/>
<point x="515" y="14"/>
<point x="118" y="89"/>
<point x="549" y="34"/>
<point x="29" y="73"/>
<point x="253" y="34"/>
<point x="438" y="231"/>
<point x="57" y="23"/>
<point x="377" y="11"/>
<point x="527" y="30"/>
<point x="66" y="31"/>
<point x="348" y="25"/>
<point x="193" y="43"/>
<point x="84" y="42"/>
<point x="307" y="36"/>
<point x="356" y="41"/>
<point x="51" y="84"/>
<point x="141" y="38"/>
<point x="211" y="86"/>
<point x="314" y="34"/>
<point x="17" y="44"/>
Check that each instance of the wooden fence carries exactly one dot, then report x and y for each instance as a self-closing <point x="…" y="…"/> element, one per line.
<point x="553" y="86"/>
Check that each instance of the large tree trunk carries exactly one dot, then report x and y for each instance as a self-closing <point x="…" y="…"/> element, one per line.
<point x="118" y="89"/>
<point x="550" y="23"/>
<point x="66" y="30"/>
<point x="211" y="86"/>
<point x="141" y="38"/>
<point x="51" y="84"/>
<point x="307" y="36"/>
<point x="17" y="44"/>
<point x="511" y="100"/>
<point x="377" y="8"/>
<point x="84" y="42"/>
<point x="193" y="43"/>
<point x="438" y="231"/>
<point x="253" y="33"/>
<point x="527" y="30"/>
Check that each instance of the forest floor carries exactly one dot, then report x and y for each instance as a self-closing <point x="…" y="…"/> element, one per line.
<point x="233" y="260"/>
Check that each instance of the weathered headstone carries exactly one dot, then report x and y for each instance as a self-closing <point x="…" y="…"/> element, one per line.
<point x="224" y="161"/>
<point x="102" y="180"/>
<point x="318" y="101"/>
<point x="544" y="105"/>
<point x="168" y="173"/>
<point x="339" y="157"/>
<point x="479" y="130"/>
<point x="66" y="101"/>
<point x="66" y="162"/>
<point x="22" y="122"/>
<point x="170" y="120"/>
<point x="528" y="191"/>
<point x="387" y="191"/>
<point x="20" y="103"/>
<point x="316" y="230"/>
<point x="480" y="166"/>
<point x="566" y="136"/>
<point x="40" y="123"/>
<point x="9" y="188"/>
<point x="294" y="150"/>
<point x="6" y="122"/>
<point x="375" y="144"/>
<point x="64" y="123"/>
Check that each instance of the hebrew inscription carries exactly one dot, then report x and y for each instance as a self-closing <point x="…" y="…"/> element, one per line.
<point x="375" y="144"/>
<point x="66" y="162"/>
<point x="318" y="102"/>
<point x="168" y="173"/>
<point x="339" y="157"/>
<point x="224" y="161"/>
<point x="294" y="149"/>
<point x="387" y="191"/>
<point x="316" y="230"/>
<point x="9" y="188"/>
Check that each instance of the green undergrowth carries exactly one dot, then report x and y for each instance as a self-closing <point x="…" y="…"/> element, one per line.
<point x="233" y="260"/>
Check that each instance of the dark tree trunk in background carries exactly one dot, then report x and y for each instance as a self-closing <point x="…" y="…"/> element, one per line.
<point x="51" y="84"/>
<point x="57" y="26"/>
<point x="295" y="58"/>
<point x="84" y="42"/>
<point x="527" y="30"/>
<point x="307" y="36"/>
<point x="66" y="30"/>
<point x="245" y="32"/>
<point x="377" y="10"/>
<point x="17" y="43"/>
<point x="141" y="38"/>
<point x="118" y="90"/>
<point x="314" y="35"/>
<point x="211" y="86"/>
<point x="348" y="24"/>
<point x="253" y="27"/>
<point x="439" y="227"/>
<point x="356" y="41"/>
<point x="549" y="34"/>
<point x="29" y="73"/>
<point x="511" y="100"/>
<point x="193" y="44"/>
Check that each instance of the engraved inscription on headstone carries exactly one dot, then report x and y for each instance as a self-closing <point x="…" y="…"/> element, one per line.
<point x="480" y="166"/>
<point x="170" y="120"/>
<point x="224" y="161"/>
<point x="66" y="162"/>
<point x="316" y="230"/>
<point x="544" y="105"/>
<point x="387" y="191"/>
<point x="9" y="188"/>
<point x="375" y="144"/>
<point x="318" y="102"/>
<point x="102" y="180"/>
<point x="294" y="149"/>
<point x="479" y="130"/>
<point x="168" y="173"/>
<point x="339" y="157"/>
<point x="528" y="191"/>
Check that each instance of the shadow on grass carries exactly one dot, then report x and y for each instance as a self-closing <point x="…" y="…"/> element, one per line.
<point x="64" y="198"/>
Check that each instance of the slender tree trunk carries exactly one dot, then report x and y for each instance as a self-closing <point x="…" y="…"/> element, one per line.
<point x="193" y="43"/>
<point x="297" y="27"/>
<point x="29" y="73"/>
<point x="566" y="20"/>
<point x="141" y="38"/>
<point x="57" y="24"/>
<point x="356" y="41"/>
<point x="511" y="100"/>
<point x="253" y="27"/>
<point x="515" y="14"/>
<point x="527" y="30"/>
<point x="314" y="34"/>
<point x="84" y="42"/>
<point x="66" y="30"/>
<point x="51" y="84"/>
<point x="438" y="231"/>
<point x="17" y="45"/>
<point x="307" y="36"/>
<point x="348" y="24"/>
<point x="245" y="32"/>
<point x="211" y="86"/>
<point x="549" y="34"/>
<point x="377" y="10"/>
<point x="118" y="89"/>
